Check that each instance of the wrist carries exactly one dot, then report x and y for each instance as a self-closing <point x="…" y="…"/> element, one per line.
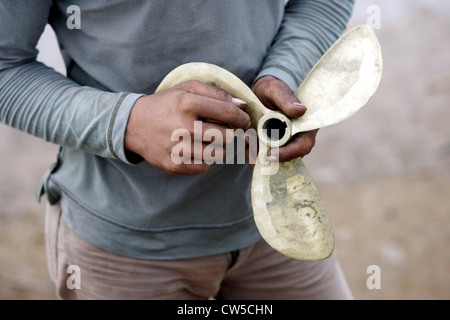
<point x="118" y="129"/>
<point x="131" y="136"/>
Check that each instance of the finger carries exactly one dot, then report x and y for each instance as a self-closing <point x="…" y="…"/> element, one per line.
<point x="276" y="94"/>
<point x="251" y="148"/>
<point x="283" y="98"/>
<point x="216" y="134"/>
<point x="250" y="156"/>
<point x="221" y="111"/>
<point x="299" y="146"/>
<point x="190" y="153"/>
<point x="181" y="161"/>
<point x="202" y="89"/>
<point x="207" y="153"/>
<point x="238" y="102"/>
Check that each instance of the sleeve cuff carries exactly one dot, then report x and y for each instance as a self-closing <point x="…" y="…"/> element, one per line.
<point x="118" y="124"/>
<point x="281" y="74"/>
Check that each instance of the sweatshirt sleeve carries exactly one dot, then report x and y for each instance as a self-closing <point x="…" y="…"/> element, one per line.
<point x="308" y="29"/>
<point x="40" y="101"/>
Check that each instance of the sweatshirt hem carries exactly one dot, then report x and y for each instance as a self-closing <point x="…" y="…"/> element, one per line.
<point x="176" y="244"/>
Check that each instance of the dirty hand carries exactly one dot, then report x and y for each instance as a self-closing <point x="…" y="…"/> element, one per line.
<point x="154" y="118"/>
<point x="276" y="95"/>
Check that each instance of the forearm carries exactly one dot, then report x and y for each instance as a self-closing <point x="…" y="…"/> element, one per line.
<point x="309" y="28"/>
<point x="38" y="100"/>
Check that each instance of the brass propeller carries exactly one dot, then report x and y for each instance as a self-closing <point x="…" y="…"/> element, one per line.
<point x="288" y="210"/>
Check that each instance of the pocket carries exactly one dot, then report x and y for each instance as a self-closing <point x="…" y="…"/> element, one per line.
<point x="53" y="197"/>
<point x="52" y="225"/>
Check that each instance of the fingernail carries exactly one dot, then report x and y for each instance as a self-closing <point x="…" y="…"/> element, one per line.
<point x="238" y="101"/>
<point x="299" y="105"/>
<point x="249" y="124"/>
<point x="272" y="158"/>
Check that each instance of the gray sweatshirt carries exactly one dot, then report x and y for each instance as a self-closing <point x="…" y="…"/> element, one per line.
<point x="122" y="51"/>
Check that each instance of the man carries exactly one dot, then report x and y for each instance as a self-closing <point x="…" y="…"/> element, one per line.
<point x="136" y="224"/>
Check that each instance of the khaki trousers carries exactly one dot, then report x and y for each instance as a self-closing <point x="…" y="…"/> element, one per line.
<point x="256" y="272"/>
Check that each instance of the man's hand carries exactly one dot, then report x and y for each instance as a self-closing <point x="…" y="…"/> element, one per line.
<point x="155" y="117"/>
<point x="276" y="95"/>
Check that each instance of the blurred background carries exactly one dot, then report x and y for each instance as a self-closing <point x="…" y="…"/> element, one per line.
<point x="384" y="174"/>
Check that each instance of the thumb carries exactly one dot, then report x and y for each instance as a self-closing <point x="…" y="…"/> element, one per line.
<point x="276" y="94"/>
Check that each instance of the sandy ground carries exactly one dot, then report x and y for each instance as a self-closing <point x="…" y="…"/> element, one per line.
<point x="384" y="174"/>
